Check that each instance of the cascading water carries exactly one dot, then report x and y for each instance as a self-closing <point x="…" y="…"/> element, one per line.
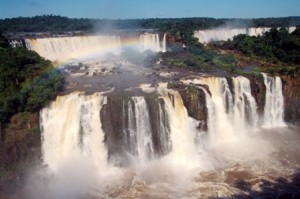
<point x="144" y="143"/>
<point x="164" y="43"/>
<point x="182" y="129"/>
<point x="220" y="104"/>
<point x="245" y="104"/>
<point x="72" y="130"/>
<point x="64" y="48"/>
<point x="206" y="36"/>
<point x="16" y="43"/>
<point x="273" y="112"/>
<point x="229" y="114"/>
<point x="163" y="143"/>
<point x="152" y="42"/>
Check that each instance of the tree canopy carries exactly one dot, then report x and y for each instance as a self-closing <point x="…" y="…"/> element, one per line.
<point x="27" y="81"/>
<point x="52" y="23"/>
<point x="275" y="45"/>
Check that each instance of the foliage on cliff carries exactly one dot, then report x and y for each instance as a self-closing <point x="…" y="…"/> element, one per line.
<point x="27" y="81"/>
<point x="277" y="47"/>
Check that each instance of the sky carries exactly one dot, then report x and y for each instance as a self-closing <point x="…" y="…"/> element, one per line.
<point x="129" y="9"/>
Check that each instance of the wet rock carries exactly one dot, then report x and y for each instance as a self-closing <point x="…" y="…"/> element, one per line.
<point x="291" y="92"/>
<point x="195" y="102"/>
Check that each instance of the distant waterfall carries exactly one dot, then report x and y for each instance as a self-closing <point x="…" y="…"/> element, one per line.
<point x="274" y="103"/>
<point x="16" y="43"/>
<point x="64" y="48"/>
<point x="164" y="129"/>
<point x="224" y="34"/>
<point x="152" y="42"/>
<point x="206" y="36"/>
<point x="72" y="130"/>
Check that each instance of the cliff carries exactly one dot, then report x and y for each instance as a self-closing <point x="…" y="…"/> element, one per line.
<point x="20" y="148"/>
<point x="291" y="92"/>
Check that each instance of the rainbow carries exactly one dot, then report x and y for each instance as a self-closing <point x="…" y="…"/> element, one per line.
<point x="63" y="49"/>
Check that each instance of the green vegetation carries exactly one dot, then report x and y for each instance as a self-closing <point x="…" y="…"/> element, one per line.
<point x="278" y="48"/>
<point x="46" y="23"/>
<point x="206" y="61"/>
<point x="51" y="23"/>
<point x="27" y="81"/>
<point x="196" y="55"/>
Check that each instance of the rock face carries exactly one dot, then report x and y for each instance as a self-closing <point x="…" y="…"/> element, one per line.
<point x="120" y="121"/>
<point x="20" y="147"/>
<point x="291" y="92"/>
<point x="194" y="101"/>
<point x="258" y="91"/>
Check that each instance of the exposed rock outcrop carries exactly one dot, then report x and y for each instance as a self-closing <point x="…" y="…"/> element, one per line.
<point x="258" y="91"/>
<point x="20" y="148"/>
<point x="194" y="101"/>
<point x="291" y="92"/>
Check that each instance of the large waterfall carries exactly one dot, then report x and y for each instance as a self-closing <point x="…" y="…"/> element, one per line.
<point x="72" y="130"/>
<point x="65" y="48"/>
<point x="150" y="141"/>
<point x="142" y="131"/>
<point x="206" y="36"/>
<point x="273" y="113"/>
<point x="162" y="126"/>
<point x="182" y="129"/>
<point x="230" y="112"/>
<point x="152" y="42"/>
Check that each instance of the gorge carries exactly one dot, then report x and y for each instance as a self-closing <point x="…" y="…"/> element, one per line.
<point x="123" y="130"/>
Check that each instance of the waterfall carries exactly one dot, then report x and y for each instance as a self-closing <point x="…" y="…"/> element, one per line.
<point x="245" y="104"/>
<point x="182" y="129"/>
<point x="257" y="31"/>
<point x="224" y="34"/>
<point x="16" y="43"/>
<point x="64" y="48"/>
<point x="130" y="136"/>
<point x="164" y="44"/>
<point x="220" y="99"/>
<point x="230" y="113"/>
<point x="274" y="103"/>
<point x="71" y="130"/>
<point x="144" y="142"/>
<point x="206" y="36"/>
<point x="61" y="49"/>
<point x="164" y="129"/>
<point x="148" y="127"/>
<point x="149" y="41"/>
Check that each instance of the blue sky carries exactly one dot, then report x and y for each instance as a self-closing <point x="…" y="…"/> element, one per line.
<point x="124" y="9"/>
